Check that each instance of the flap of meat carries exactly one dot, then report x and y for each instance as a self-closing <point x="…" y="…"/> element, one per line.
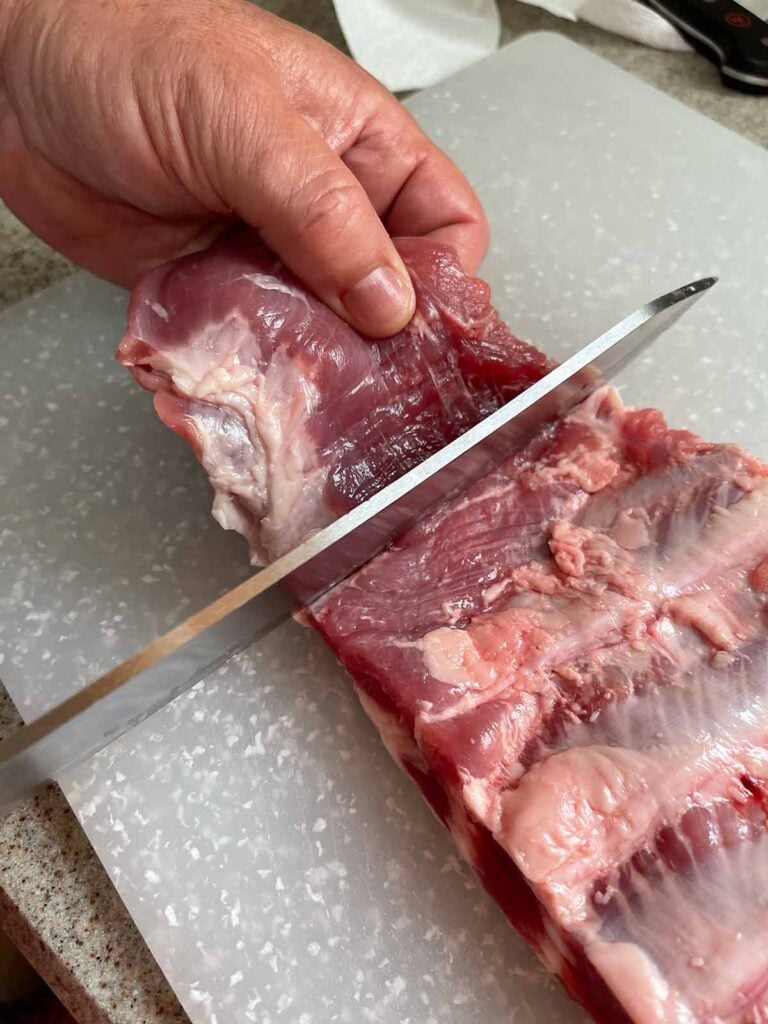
<point x="295" y="416"/>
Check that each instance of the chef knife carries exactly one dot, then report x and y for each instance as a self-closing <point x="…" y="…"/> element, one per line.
<point x="126" y="695"/>
<point x="733" y="35"/>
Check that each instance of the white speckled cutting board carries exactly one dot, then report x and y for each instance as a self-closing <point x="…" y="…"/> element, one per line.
<point x="278" y="865"/>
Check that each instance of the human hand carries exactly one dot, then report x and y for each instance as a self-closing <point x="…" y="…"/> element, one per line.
<point x="132" y="132"/>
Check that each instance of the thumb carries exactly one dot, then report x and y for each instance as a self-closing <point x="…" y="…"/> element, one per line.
<point x="312" y="211"/>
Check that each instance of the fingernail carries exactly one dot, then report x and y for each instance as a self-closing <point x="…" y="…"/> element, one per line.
<point x="382" y="303"/>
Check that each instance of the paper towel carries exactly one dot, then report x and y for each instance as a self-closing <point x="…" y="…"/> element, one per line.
<point x="625" y="17"/>
<point x="411" y="44"/>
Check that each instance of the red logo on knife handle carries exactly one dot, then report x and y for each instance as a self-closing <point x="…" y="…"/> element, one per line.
<point x="738" y="20"/>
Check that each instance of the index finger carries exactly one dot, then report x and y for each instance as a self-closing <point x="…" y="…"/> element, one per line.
<point x="437" y="201"/>
<point x="416" y="188"/>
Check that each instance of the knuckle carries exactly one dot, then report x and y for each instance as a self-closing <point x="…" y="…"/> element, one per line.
<point x="387" y="142"/>
<point x="327" y="204"/>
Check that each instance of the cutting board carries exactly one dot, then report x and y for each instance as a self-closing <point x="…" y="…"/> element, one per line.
<point x="276" y="862"/>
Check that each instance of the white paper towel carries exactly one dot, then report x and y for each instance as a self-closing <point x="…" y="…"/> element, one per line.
<point x="411" y="44"/>
<point x="625" y="17"/>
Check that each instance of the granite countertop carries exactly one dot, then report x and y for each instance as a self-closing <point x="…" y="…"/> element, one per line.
<point x="55" y="898"/>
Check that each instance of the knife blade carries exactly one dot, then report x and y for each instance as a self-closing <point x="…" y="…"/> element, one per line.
<point x="129" y="693"/>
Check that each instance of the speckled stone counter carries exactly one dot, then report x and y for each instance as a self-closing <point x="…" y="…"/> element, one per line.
<point x="55" y="898"/>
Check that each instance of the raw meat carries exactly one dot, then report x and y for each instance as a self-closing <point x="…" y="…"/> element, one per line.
<point x="579" y="688"/>
<point x="294" y="416"/>
<point x="570" y="659"/>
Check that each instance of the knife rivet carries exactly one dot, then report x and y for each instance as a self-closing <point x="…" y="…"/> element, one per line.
<point x="738" y="20"/>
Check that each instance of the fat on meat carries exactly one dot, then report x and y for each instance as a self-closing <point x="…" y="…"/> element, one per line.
<point x="295" y="416"/>
<point x="570" y="658"/>
<point x="580" y="689"/>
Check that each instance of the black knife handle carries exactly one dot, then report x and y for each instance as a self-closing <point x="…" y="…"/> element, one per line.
<point x="735" y="37"/>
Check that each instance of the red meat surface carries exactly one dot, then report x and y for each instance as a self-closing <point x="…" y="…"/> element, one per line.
<point x="570" y="658"/>
<point x="579" y="687"/>
<point x="295" y="416"/>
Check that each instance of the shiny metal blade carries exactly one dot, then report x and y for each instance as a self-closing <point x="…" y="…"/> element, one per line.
<point x="129" y="693"/>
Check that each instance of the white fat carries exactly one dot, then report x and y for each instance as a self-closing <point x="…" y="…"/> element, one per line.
<point x="396" y="738"/>
<point x="705" y="612"/>
<point x="216" y="343"/>
<point x="450" y="656"/>
<point x="460" y="658"/>
<point x="482" y="800"/>
<point x="229" y="378"/>
<point x="579" y="815"/>
<point x="637" y="983"/>
<point x="296" y="473"/>
<point x="159" y="309"/>
<point x="255" y="443"/>
<point x="703" y="928"/>
<point x="605" y="400"/>
<point x="269" y="283"/>
<point x="229" y="514"/>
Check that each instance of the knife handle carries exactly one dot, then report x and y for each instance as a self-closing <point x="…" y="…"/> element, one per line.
<point x="728" y="33"/>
